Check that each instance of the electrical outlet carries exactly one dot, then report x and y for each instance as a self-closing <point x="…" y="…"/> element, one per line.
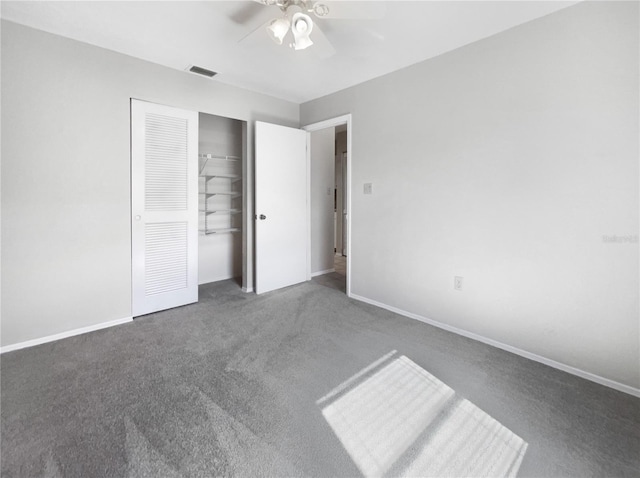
<point x="457" y="283"/>
<point x="368" y="188"/>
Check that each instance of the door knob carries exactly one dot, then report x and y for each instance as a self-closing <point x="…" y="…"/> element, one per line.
<point x="262" y="217"/>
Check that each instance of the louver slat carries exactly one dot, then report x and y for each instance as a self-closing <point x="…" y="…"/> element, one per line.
<point x="166" y="146"/>
<point x="166" y="257"/>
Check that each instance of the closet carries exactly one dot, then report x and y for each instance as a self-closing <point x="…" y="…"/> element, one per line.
<point x="220" y="191"/>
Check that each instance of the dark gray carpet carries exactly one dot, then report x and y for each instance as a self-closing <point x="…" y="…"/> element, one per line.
<point x="232" y="386"/>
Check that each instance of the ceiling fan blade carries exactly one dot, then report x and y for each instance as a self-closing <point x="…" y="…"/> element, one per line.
<point x="364" y="10"/>
<point x="247" y="12"/>
<point x="256" y="35"/>
<point x="321" y="47"/>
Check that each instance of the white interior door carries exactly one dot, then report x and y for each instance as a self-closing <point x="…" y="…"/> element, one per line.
<point x="282" y="225"/>
<point x="164" y="207"/>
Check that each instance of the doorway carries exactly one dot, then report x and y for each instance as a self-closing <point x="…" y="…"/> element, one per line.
<point x="329" y="202"/>
<point x="221" y="152"/>
<point x="340" y="215"/>
<point x="187" y="208"/>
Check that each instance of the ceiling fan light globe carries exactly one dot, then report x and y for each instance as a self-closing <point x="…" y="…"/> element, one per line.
<point x="277" y="29"/>
<point x="301" y="26"/>
<point x="302" y="43"/>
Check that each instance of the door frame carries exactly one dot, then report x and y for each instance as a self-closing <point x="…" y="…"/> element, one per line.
<point x="332" y="122"/>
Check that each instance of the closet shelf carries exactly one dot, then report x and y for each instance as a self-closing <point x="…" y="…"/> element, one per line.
<point x="231" y="194"/>
<point x="232" y="177"/>
<point x="221" y="231"/>
<point x="220" y="157"/>
<point x="206" y="157"/>
<point x="228" y="172"/>
<point x="221" y="211"/>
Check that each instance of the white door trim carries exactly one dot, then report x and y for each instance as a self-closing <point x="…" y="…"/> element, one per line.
<point x="338" y="121"/>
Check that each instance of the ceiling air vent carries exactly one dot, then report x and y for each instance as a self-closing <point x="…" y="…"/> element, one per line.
<point x="202" y="71"/>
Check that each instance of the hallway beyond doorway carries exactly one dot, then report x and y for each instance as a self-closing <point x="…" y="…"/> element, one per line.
<point x="340" y="264"/>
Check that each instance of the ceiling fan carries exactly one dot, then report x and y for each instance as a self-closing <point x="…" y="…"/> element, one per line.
<point x="300" y="23"/>
<point x="297" y="17"/>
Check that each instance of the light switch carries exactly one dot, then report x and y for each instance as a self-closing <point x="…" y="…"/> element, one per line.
<point x="457" y="283"/>
<point x="368" y="188"/>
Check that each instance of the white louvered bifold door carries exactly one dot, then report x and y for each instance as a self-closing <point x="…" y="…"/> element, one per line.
<point x="164" y="207"/>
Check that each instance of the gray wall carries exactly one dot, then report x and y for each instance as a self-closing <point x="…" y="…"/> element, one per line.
<point x="506" y="162"/>
<point x="66" y="240"/>
<point x="321" y="199"/>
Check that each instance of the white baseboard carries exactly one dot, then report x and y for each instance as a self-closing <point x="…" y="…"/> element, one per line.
<point x="63" y="335"/>
<point x="319" y="273"/>
<point x="523" y="353"/>
<point x="247" y="289"/>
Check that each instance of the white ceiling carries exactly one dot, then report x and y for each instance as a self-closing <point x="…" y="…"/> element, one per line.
<point x="208" y="34"/>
